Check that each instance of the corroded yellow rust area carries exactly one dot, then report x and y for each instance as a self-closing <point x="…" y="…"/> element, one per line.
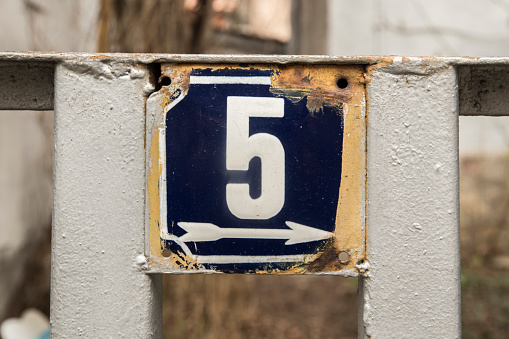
<point x="154" y="183"/>
<point x="349" y="217"/>
<point x="153" y="175"/>
<point x="180" y="77"/>
<point x="319" y="83"/>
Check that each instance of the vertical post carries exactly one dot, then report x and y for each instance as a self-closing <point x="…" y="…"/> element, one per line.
<point x="98" y="287"/>
<point x="413" y="289"/>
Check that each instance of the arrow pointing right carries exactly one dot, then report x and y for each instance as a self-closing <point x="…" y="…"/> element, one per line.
<point x="298" y="233"/>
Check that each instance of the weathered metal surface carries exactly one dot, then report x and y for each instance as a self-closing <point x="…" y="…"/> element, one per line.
<point x="413" y="289"/>
<point x="146" y="58"/>
<point x="34" y="71"/>
<point x="321" y="93"/>
<point x="483" y="90"/>
<point x="97" y="260"/>
<point x="25" y="86"/>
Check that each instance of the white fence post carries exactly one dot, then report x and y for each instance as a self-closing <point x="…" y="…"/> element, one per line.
<point x="97" y="287"/>
<point x="413" y="290"/>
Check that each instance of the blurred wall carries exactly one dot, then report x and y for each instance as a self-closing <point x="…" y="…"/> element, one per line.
<point x="434" y="28"/>
<point x="214" y="26"/>
<point x="26" y="146"/>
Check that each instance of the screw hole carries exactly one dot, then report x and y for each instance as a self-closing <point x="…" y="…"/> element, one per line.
<point x="165" y="81"/>
<point x="344" y="257"/>
<point x="342" y="83"/>
<point x="166" y="253"/>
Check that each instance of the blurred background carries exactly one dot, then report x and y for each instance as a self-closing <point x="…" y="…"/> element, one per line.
<point x="258" y="306"/>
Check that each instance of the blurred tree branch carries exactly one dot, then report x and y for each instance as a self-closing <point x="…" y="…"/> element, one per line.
<point x="158" y="26"/>
<point x="212" y="26"/>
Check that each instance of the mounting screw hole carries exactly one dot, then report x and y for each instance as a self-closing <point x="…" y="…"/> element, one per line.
<point x="165" y="81"/>
<point x="342" y="83"/>
<point x="166" y="253"/>
<point x="344" y="257"/>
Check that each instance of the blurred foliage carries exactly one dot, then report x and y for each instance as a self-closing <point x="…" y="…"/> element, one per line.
<point x="193" y="26"/>
<point x="484" y="212"/>
<point x="153" y="26"/>
<point x="250" y="306"/>
<point x="485" y="304"/>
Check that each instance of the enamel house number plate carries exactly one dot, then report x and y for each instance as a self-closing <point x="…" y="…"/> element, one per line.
<point x="255" y="168"/>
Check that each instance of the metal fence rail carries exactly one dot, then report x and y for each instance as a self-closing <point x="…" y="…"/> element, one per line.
<point x="99" y="283"/>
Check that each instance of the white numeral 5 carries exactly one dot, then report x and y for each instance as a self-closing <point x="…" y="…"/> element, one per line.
<point x="241" y="148"/>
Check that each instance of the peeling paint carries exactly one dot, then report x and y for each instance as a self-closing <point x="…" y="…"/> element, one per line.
<point x="108" y="70"/>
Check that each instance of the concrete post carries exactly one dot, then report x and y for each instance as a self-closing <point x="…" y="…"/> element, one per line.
<point x="413" y="289"/>
<point x="98" y="288"/>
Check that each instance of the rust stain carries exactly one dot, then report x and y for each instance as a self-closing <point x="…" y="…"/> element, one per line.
<point x="154" y="172"/>
<point x="154" y="182"/>
<point x="153" y="186"/>
<point x="180" y="77"/>
<point x="317" y="82"/>
<point x="100" y="56"/>
<point x="349" y="217"/>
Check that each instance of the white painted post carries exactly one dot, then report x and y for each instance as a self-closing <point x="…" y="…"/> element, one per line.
<point x="98" y="289"/>
<point x="413" y="289"/>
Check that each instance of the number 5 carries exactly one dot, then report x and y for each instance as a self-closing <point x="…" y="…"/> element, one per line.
<point x="241" y="148"/>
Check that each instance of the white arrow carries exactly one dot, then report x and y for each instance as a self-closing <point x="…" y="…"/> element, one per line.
<point x="197" y="231"/>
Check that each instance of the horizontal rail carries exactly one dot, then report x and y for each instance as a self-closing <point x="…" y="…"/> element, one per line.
<point x="483" y="90"/>
<point x="26" y="78"/>
<point x="228" y="58"/>
<point x="26" y="85"/>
